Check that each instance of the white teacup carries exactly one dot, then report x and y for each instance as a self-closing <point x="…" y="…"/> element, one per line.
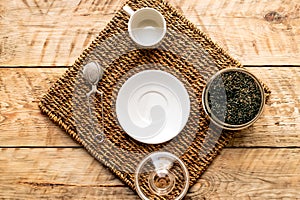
<point x="146" y="26"/>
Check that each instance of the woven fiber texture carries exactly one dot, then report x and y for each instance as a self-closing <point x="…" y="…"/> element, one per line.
<point x="185" y="52"/>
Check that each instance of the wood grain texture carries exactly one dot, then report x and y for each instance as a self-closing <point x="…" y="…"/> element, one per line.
<point x="262" y="162"/>
<point x="72" y="174"/>
<point x="265" y="32"/>
<point x="54" y="33"/>
<point x="21" y="123"/>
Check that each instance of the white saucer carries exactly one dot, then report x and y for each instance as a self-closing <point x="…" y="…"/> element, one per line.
<point x="153" y="106"/>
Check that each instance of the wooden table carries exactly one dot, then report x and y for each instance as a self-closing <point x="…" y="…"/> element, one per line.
<point x="40" y="38"/>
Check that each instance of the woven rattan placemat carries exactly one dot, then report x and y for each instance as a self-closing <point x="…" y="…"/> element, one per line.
<point x="186" y="52"/>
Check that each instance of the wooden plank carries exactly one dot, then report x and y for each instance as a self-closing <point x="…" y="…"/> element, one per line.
<point x="255" y="32"/>
<point x="54" y="33"/>
<point x="73" y="174"/>
<point x="21" y="123"/>
<point x="50" y="32"/>
<point x="38" y="173"/>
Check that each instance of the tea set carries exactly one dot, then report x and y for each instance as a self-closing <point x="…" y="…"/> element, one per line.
<point x="153" y="106"/>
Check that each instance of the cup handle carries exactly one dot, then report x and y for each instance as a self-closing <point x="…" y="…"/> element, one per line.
<point x="128" y="10"/>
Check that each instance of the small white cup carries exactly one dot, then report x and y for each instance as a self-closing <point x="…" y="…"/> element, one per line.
<point x="146" y="26"/>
